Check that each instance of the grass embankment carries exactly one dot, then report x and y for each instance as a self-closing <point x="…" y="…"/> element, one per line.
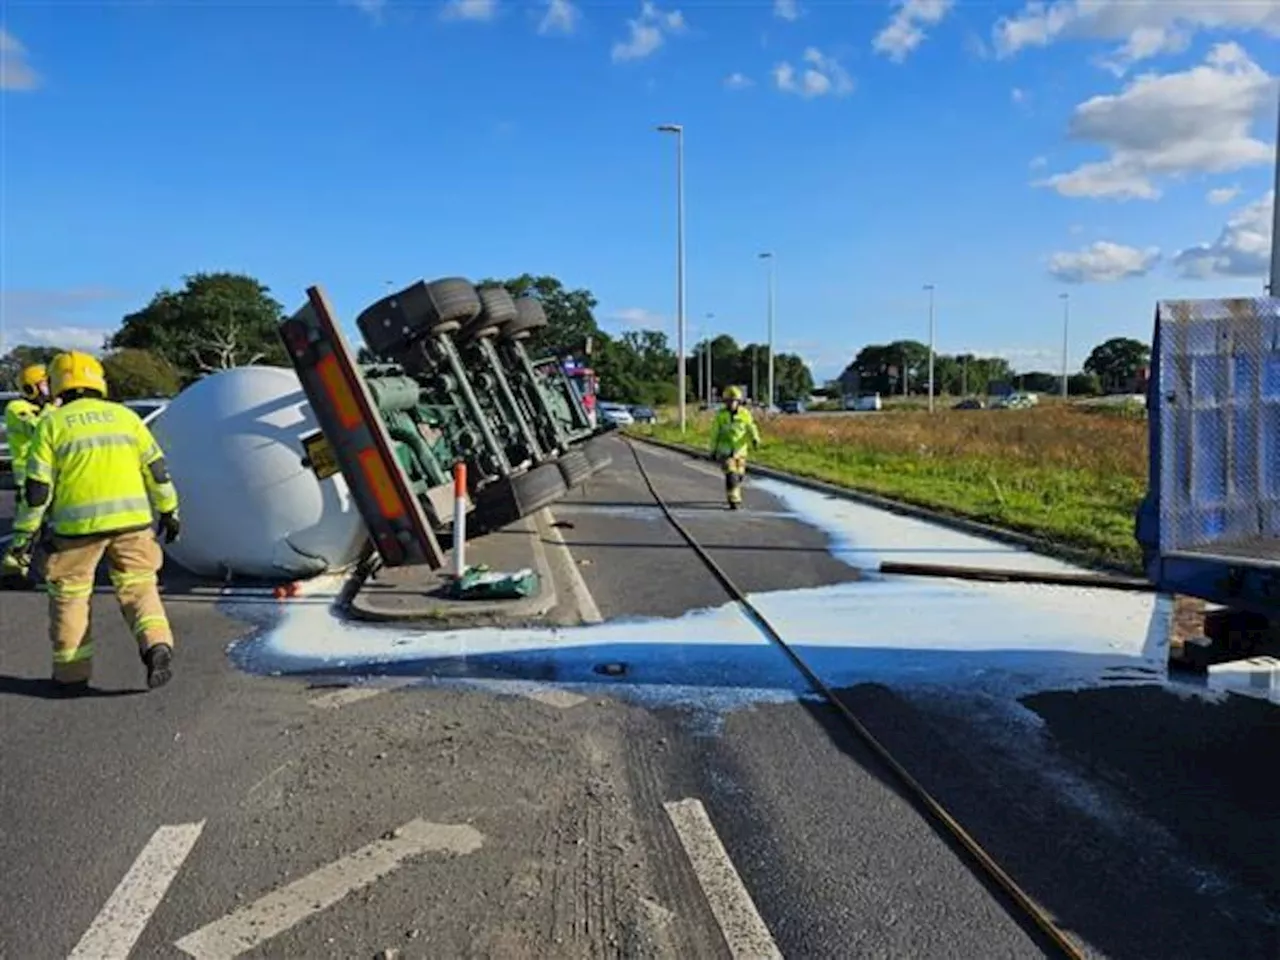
<point x="1059" y="473"/>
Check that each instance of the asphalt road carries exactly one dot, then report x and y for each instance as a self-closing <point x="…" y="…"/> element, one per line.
<point x="535" y="825"/>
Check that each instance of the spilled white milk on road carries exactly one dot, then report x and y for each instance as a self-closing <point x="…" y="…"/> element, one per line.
<point x="1003" y="638"/>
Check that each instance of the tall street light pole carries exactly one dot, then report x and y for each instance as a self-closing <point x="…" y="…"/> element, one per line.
<point x="769" y="381"/>
<point x="1066" y="326"/>
<point x="929" y="287"/>
<point x="678" y="130"/>
<point x="711" y="386"/>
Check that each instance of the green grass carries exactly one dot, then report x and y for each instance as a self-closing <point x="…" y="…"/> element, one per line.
<point x="1069" y="477"/>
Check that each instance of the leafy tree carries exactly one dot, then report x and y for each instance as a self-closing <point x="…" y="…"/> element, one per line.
<point x="878" y="368"/>
<point x="23" y="355"/>
<point x="791" y="377"/>
<point x="1084" y="385"/>
<point x="133" y="373"/>
<point x="217" y="321"/>
<point x="1117" y="361"/>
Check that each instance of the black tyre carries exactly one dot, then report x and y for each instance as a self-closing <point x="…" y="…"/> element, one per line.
<point x="597" y="454"/>
<point x="499" y="307"/>
<point x="575" y="468"/>
<point x="529" y="317"/>
<point x="506" y="501"/>
<point x="453" y="300"/>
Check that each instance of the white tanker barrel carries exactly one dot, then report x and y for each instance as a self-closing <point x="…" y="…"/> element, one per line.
<point x="249" y="506"/>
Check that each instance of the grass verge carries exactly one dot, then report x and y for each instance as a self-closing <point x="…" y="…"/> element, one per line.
<point x="1061" y="474"/>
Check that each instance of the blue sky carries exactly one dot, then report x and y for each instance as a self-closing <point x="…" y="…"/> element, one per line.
<point x="1119" y="151"/>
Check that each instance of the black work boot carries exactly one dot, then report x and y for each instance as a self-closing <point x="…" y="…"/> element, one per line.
<point x="159" y="661"/>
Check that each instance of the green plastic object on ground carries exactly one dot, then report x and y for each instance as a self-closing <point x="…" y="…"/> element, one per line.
<point x="481" y="583"/>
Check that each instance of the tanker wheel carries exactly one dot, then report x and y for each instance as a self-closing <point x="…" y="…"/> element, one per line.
<point x="507" y="500"/>
<point x="529" y="317"/>
<point x="575" y="467"/>
<point x="597" y="454"/>
<point x="453" y="301"/>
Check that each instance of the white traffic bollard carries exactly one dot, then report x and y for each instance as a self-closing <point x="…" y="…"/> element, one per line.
<point x="459" y="519"/>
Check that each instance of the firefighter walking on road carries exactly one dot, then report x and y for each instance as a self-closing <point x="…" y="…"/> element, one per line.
<point x="732" y="431"/>
<point x="98" y="473"/>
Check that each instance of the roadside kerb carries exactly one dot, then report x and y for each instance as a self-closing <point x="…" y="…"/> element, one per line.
<point x="961" y="524"/>
<point x="446" y="612"/>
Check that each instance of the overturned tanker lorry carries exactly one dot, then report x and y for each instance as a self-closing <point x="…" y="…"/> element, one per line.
<point x="293" y="473"/>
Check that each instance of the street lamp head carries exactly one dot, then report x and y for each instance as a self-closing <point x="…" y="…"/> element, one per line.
<point x="670" y="128"/>
<point x="927" y="286"/>
<point x="766" y="256"/>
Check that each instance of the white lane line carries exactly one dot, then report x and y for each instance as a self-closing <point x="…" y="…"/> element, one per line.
<point x="744" y="931"/>
<point x="333" y="699"/>
<point x="127" y="912"/>
<point x="275" y="913"/>
<point x="569" y="572"/>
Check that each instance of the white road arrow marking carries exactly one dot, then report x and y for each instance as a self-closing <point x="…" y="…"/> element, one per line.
<point x="121" y="921"/>
<point x="275" y="913"/>
<point x="744" y="930"/>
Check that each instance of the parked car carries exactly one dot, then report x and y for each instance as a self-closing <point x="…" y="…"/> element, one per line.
<point x="615" y="413"/>
<point x="866" y="403"/>
<point x="643" y="414"/>
<point x="792" y="406"/>
<point x="969" y="403"/>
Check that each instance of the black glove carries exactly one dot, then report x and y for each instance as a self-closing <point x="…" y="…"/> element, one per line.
<point x="169" y="526"/>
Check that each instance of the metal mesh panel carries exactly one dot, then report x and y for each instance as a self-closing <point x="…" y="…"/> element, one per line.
<point x="1218" y="393"/>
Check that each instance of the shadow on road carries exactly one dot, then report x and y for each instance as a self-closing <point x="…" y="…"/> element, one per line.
<point x="1141" y="821"/>
<point x="41" y="688"/>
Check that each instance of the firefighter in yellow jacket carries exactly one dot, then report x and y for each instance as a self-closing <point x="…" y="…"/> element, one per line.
<point x="21" y="416"/>
<point x="97" y="471"/>
<point x="732" y="431"/>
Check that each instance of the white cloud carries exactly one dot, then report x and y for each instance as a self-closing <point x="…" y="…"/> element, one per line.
<point x="70" y="318"/>
<point x="15" y="72"/>
<point x="1196" y="121"/>
<point x="1243" y="248"/>
<point x="820" y="76"/>
<point x="561" y="17"/>
<point x="1103" y="262"/>
<point x="786" y="9"/>
<point x="1222" y="195"/>
<point x="469" y="10"/>
<point x="88" y="339"/>
<point x="1039" y="163"/>
<point x="638" y="318"/>
<point x="647" y="33"/>
<point x="904" y="31"/>
<point x="1145" y="28"/>
<point x="738" y="81"/>
<point x="373" y="8"/>
<point x="1018" y="95"/>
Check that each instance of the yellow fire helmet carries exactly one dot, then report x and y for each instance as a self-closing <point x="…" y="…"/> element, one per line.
<point x="30" y="378"/>
<point x="732" y="393"/>
<point x="74" y="370"/>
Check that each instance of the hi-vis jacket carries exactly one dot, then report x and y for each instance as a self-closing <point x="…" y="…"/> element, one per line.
<point x="732" y="432"/>
<point x="96" y="469"/>
<point x="20" y="420"/>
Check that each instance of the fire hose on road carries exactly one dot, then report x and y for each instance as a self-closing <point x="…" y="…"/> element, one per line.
<point x="985" y="863"/>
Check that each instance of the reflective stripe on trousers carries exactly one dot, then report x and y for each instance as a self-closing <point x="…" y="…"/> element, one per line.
<point x="134" y="558"/>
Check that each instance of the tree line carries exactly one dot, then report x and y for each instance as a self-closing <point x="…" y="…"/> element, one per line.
<point x="221" y="320"/>
<point x="902" y="368"/>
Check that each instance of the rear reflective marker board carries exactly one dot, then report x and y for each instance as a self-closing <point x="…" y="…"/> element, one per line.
<point x="344" y="405"/>
<point x="383" y="490"/>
